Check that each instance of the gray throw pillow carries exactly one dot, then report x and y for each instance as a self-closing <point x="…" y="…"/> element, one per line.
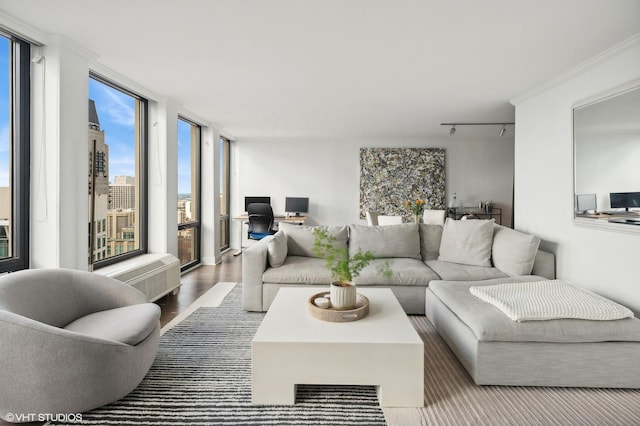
<point x="514" y="252"/>
<point x="467" y="242"/>
<point x="430" y="237"/>
<point x="277" y="249"/>
<point x="386" y="241"/>
<point x="300" y="238"/>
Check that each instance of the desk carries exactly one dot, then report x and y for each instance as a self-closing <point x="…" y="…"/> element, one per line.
<point x="276" y="219"/>
<point x="495" y="213"/>
<point x="606" y="217"/>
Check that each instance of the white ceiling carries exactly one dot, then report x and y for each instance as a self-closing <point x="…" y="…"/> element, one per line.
<point x="296" y="68"/>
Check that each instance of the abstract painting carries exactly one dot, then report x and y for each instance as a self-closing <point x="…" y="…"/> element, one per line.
<point x="391" y="176"/>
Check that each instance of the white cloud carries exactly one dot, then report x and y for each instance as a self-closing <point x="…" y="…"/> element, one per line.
<point x="114" y="105"/>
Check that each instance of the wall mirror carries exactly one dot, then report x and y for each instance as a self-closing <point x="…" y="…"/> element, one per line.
<point x="607" y="159"/>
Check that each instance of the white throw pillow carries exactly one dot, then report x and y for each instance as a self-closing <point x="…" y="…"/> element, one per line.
<point x="514" y="252"/>
<point x="467" y="242"/>
<point x="277" y="249"/>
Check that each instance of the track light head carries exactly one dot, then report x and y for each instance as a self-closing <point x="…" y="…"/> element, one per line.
<point x="503" y="129"/>
<point x="452" y="131"/>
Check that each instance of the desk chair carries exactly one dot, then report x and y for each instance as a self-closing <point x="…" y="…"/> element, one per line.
<point x="372" y="218"/>
<point x="260" y="220"/>
<point x="389" y="220"/>
<point x="433" y="217"/>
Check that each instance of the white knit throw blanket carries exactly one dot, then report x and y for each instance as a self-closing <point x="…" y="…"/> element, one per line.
<point x="547" y="300"/>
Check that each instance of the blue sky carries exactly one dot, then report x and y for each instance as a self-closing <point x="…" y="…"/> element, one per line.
<point x="116" y="115"/>
<point x="184" y="157"/>
<point x="4" y="111"/>
<point x="116" y="112"/>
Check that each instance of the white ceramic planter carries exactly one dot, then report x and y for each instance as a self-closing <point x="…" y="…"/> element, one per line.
<point x="343" y="295"/>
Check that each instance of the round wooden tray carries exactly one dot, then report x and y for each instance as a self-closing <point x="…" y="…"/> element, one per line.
<point x="359" y="311"/>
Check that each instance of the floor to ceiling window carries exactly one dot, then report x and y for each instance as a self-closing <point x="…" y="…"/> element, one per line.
<point x="14" y="152"/>
<point x="225" y="202"/>
<point x="188" y="193"/>
<point x="117" y="172"/>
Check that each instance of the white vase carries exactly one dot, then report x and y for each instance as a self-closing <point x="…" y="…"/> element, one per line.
<point x="343" y="295"/>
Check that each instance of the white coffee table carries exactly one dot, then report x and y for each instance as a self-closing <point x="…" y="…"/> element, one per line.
<point x="292" y="347"/>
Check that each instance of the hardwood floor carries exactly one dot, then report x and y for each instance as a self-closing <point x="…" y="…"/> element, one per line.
<point x="197" y="282"/>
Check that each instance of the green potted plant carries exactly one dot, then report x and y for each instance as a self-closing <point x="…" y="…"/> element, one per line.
<point x="343" y="268"/>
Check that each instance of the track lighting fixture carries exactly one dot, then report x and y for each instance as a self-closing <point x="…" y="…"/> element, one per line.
<point x="452" y="131"/>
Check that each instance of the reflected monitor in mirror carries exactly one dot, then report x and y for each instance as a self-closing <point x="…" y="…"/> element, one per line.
<point x="624" y="200"/>
<point x="586" y="202"/>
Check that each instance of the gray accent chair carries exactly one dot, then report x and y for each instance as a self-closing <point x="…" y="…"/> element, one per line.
<point x="71" y="341"/>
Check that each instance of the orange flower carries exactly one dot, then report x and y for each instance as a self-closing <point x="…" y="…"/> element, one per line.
<point x="415" y="206"/>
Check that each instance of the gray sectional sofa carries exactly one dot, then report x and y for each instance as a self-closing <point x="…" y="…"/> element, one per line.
<point x="434" y="268"/>
<point x="472" y="250"/>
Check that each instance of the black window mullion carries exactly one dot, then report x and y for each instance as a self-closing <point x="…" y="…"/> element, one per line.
<point x="20" y="146"/>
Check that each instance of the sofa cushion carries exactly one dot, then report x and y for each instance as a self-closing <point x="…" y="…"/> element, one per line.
<point x="300" y="238"/>
<point x="277" y="249"/>
<point x="402" y="240"/>
<point x="430" y="237"/>
<point x="129" y="325"/>
<point x="467" y="242"/>
<point x="405" y="271"/>
<point x="458" y="272"/>
<point x="488" y="323"/>
<point x="513" y="252"/>
<point x="299" y="270"/>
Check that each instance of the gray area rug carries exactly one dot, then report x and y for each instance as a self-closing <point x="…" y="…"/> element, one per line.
<point x="452" y="398"/>
<point x="202" y="376"/>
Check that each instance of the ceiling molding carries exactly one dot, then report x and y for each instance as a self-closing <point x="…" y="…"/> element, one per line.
<point x="569" y="74"/>
<point x="13" y="25"/>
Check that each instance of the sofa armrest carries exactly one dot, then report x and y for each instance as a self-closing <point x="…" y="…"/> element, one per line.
<point x="544" y="265"/>
<point x="254" y="263"/>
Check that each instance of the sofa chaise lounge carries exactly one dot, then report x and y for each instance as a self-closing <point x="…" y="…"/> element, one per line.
<point x="495" y="350"/>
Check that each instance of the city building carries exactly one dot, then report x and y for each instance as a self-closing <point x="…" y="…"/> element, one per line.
<point x="98" y="185"/>
<point x="122" y="193"/>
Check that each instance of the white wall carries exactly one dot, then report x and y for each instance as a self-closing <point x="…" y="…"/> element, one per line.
<point x="59" y="157"/>
<point x="602" y="260"/>
<point x="328" y="172"/>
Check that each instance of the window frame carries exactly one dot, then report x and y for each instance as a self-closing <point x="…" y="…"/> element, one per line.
<point x="143" y="179"/>
<point x="194" y="224"/>
<point x="20" y="122"/>
<point x="226" y="218"/>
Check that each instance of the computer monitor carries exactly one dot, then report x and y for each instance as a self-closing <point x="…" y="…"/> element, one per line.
<point x="296" y="205"/>
<point x="251" y="200"/>
<point x="585" y="202"/>
<point x="624" y="200"/>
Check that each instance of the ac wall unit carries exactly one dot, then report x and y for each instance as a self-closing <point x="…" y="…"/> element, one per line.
<point x="153" y="274"/>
